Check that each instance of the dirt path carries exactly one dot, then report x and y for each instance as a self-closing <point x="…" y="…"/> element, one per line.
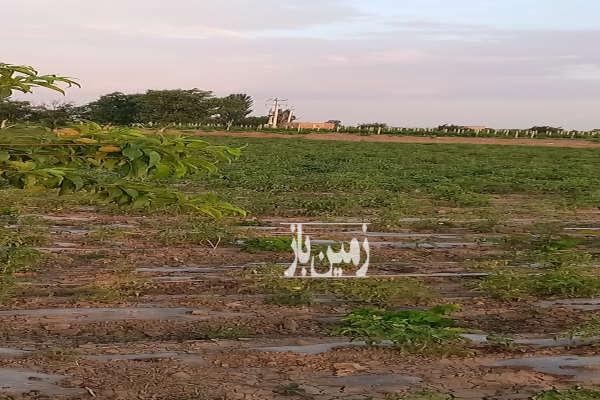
<point x="412" y="139"/>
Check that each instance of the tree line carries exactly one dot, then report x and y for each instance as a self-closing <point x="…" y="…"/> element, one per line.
<point x="154" y="106"/>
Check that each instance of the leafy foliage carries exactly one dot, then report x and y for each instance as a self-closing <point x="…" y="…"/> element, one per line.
<point x="167" y="106"/>
<point x="234" y="108"/>
<point x="23" y="78"/>
<point x="115" y="108"/>
<point x="408" y="330"/>
<point x="59" y="161"/>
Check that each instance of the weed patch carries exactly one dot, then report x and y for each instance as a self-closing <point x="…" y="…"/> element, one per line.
<point x="407" y="330"/>
<point x="373" y="291"/>
<point x="561" y="282"/>
<point x="575" y="393"/>
<point x="290" y="298"/>
<point x="278" y="244"/>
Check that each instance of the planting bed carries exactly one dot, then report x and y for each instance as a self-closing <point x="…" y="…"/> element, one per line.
<point x="155" y="304"/>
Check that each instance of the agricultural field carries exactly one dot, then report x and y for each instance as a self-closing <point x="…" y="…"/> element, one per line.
<point x="483" y="280"/>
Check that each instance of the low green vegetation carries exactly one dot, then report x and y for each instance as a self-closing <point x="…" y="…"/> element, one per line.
<point x="122" y="284"/>
<point x="420" y="396"/>
<point x="8" y="289"/>
<point x="291" y="389"/>
<point x="220" y="332"/>
<point x="16" y="254"/>
<point x="405" y="180"/>
<point x="560" y="282"/>
<point x="199" y="231"/>
<point x="407" y="330"/>
<point x="588" y="329"/>
<point x="278" y="244"/>
<point x="371" y="291"/>
<point x="290" y="298"/>
<point x="575" y="393"/>
<point x="457" y="196"/>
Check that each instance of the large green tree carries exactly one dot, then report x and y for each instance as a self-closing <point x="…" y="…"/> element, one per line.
<point x="54" y="115"/>
<point x="14" y="110"/>
<point x="234" y="108"/>
<point x="166" y="106"/>
<point x="113" y="108"/>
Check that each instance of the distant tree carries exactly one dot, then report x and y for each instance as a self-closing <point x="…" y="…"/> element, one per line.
<point x="14" y="110"/>
<point x="234" y="108"/>
<point x="373" y="125"/>
<point x="255" y="121"/>
<point x="450" y="127"/>
<point x="54" y="115"/>
<point x="336" y="122"/>
<point x="114" y="108"/>
<point x="546" y="129"/>
<point x="165" y="106"/>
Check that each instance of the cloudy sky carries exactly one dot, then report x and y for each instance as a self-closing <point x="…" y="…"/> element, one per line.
<point x="499" y="63"/>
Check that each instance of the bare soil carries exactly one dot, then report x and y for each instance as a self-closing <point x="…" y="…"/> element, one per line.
<point x="177" y="355"/>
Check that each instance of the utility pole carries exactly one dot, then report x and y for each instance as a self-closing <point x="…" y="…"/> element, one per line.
<point x="276" y="103"/>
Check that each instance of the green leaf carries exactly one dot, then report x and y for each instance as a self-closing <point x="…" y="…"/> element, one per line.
<point x="153" y="158"/>
<point x="4" y="156"/>
<point x="132" y="152"/>
<point x="162" y="171"/>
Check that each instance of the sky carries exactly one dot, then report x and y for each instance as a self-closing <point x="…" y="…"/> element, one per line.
<point x="498" y="63"/>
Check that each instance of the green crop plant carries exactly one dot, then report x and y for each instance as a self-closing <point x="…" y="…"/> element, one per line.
<point x="574" y="393"/>
<point x="278" y="244"/>
<point x="199" y="231"/>
<point x="372" y="291"/>
<point x="290" y="298"/>
<point x="563" y="282"/>
<point x="407" y="330"/>
<point x="588" y="329"/>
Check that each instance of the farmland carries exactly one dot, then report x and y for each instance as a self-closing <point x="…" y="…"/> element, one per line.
<point x="480" y="255"/>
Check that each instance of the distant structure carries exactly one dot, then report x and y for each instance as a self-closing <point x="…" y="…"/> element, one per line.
<point x="475" y="128"/>
<point x="310" y="125"/>
<point x="282" y="116"/>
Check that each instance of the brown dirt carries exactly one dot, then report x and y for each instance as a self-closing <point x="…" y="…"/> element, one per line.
<point x="211" y="369"/>
<point x="411" y="139"/>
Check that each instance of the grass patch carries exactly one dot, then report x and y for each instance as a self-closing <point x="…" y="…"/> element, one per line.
<point x="588" y="329"/>
<point x="294" y="298"/>
<point x="221" y="332"/>
<point x="60" y="354"/>
<point x="575" y="393"/>
<point x="124" y="283"/>
<point x="199" y="231"/>
<point x="407" y="330"/>
<point x="561" y="282"/>
<point x="8" y="289"/>
<point x="371" y="291"/>
<point x="457" y="196"/>
<point x="278" y="244"/>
